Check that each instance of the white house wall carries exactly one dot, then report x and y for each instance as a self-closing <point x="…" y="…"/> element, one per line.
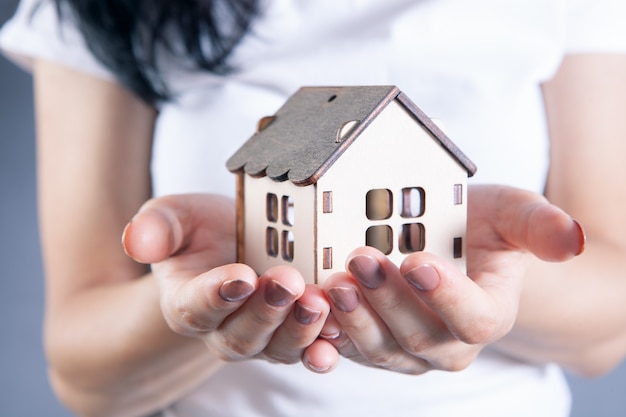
<point x="392" y="153"/>
<point x="256" y="223"/>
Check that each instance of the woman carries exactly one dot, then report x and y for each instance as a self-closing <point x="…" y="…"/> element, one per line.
<point x="121" y="119"/>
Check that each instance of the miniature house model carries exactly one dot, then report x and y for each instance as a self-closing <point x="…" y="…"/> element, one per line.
<point x="337" y="168"/>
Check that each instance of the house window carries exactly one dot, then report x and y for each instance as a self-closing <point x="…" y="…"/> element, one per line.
<point x="413" y="202"/>
<point x="345" y="130"/>
<point x="271" y="241"/>
<point x="276" y="240"/>
<point x="271" y="207"/>
<point x="327" y="202"/>
<point x="457" y="248"/>
<point x="378" y="204"/>
<point x="327" y="258"/>
<point x="287" y="246"/>
<point x="458" y="194"/>
<point x="412" y="238"/>
<point x="287" y="210"/>
<point x="380" y="237"/>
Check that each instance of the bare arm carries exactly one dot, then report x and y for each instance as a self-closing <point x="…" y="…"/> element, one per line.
<point x="524" y="294"/>
<point x="104" y="333"/>
<point x="120" y="341"/>
<point x="574" y="313"/>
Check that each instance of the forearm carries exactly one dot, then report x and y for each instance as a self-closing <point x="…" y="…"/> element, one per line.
<point x="111" y="353"/>
<point x="573" y="313"/>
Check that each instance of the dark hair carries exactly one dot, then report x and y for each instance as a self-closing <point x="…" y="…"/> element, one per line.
<point x="125" y="35"/>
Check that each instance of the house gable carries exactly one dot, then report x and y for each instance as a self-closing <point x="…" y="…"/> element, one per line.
<point x="396" y="186"/>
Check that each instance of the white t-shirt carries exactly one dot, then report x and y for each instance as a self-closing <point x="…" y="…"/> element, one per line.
<point x="476" y="65"/>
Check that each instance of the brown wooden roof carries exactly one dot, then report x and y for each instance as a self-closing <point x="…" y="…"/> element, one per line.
<point x="299" y="142"/>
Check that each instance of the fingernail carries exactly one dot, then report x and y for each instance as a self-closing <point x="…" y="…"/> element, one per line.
<point x="345" y="299"/>
<point x="423" y="277"/>
<point x="331" y="336"/>
<point x="316" y="369"/>
<point x="236" y="290"/>
<point x="582" y="239"/>
<point x="367" y="270"/>
<point x="306" y="315"/>
<point x="276" y="295"/>
<point x="330" y="330"/>
<point x="126" y="230"/>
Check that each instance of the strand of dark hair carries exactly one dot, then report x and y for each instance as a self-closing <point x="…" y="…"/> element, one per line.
<point x="128" y="36"/>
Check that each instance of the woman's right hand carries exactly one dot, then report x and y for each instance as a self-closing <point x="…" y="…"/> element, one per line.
<point x="190" y="242"/>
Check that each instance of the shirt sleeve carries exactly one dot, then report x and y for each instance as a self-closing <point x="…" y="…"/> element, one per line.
<point x="596" y="26"/>
<point x="35" y="32"/>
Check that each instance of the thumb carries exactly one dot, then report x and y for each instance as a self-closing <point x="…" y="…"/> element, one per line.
<point x="154" y="233"/>
<point x="527" y="220"/>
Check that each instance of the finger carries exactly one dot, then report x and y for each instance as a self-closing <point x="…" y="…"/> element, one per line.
<point x="165" y="225"/>
<point x="364" y="334"/>
<point x="246" y="332"/>
<point x="339" y="340"/>
<point x="527" y="220"/>
<point x="321" y="357"/>
<point x="331" y="329"/>
<point x="301" y="328"/>
<point x="336" y="337"/>
<point x="195" y="305"/>
<point x="473" y="314"/>
<point x="413" y="324"/>
<point x="391" y="296"/>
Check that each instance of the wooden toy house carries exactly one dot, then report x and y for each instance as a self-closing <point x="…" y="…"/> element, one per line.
<point x="337" y="168"/>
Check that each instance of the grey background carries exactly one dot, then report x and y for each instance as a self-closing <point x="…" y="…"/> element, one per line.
<point x="24" y="389"/>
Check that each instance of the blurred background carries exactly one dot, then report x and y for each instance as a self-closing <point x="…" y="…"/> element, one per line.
<point x="24" y="390"/>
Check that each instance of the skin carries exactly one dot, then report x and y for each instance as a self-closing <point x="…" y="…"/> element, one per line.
<point x="584" y="330"/>
<point x="427" y="315"/>
<point x="111" y="326"/>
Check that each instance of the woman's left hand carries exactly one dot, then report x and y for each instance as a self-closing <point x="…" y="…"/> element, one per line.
<point x="426" y="314"/>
